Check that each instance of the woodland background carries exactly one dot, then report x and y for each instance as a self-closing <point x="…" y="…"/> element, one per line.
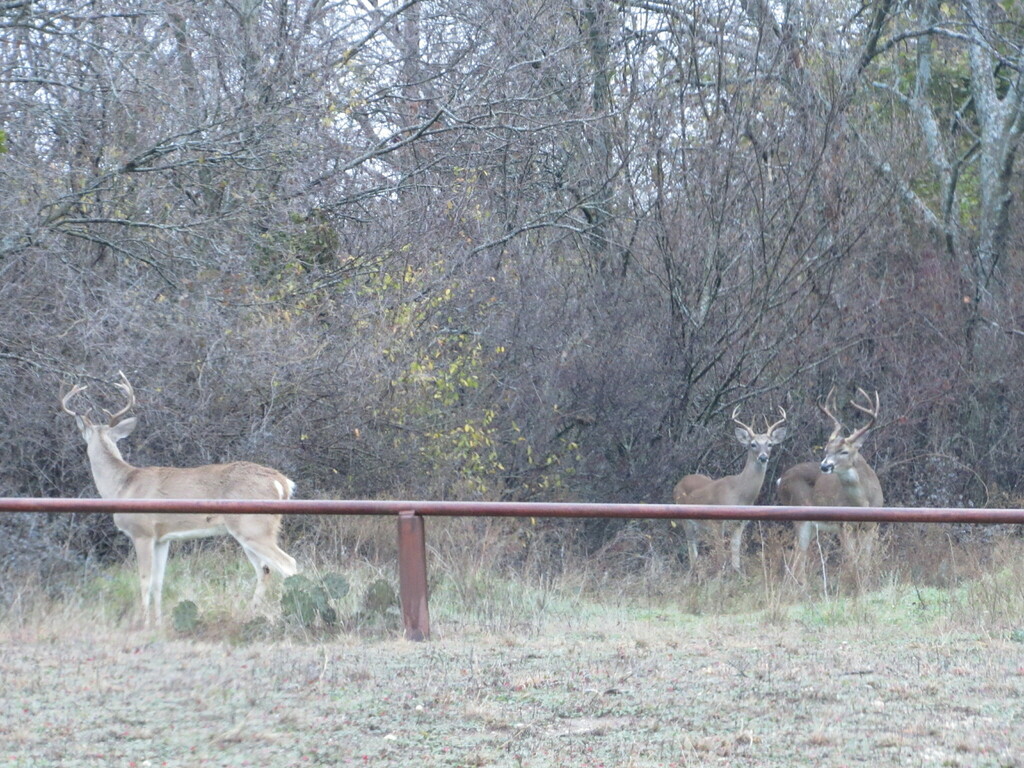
<point x="508" y="249"/>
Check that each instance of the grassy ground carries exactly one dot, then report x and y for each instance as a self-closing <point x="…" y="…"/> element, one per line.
<point x="521" y="674"/>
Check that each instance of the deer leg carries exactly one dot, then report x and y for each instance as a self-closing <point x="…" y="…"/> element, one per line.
<point x="860" y="541"/>
<point x="266" y="558"/>
<point x="721" y="530"/>
<point x="737" y="544"/>
<point x="270" y="555"/>
<point x="803" y="543"/>
<point x="262" y="575"/>
<point x="870" y="536"/>
<point x="803" y="535"/>
<point x="144" y="554"/>
<point x="258" y="537"/>
<point x="692" y="528"/>
<point x="852" y="566"/>
<point x="161" y="549"/>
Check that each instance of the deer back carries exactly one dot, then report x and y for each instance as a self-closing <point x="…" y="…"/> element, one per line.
<point x="687" y="486"/>
<point x="796" y="486"/>
<point x="733" y="490"/>
<point x="237" y="480"/>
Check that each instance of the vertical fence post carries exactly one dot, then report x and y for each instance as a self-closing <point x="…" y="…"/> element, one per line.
<point x="412" y="575"/>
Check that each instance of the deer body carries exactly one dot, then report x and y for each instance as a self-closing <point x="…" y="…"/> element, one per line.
<point x="733" y="490"/>
<point x="152" y="533"/>
<point x="842" y="479"/>
<point x="795" y="488"/>
<point x="805" y="485"/>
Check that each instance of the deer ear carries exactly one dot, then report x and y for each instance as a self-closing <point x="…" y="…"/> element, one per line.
<point x="742" y="435"/>
<point x="122" y="429"/>
<point x="778" y="435"/>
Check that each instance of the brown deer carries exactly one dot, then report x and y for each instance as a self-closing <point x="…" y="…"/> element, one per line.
<point x="842" y="479"/>
<point x="152" y="533"/>
<point x="733" y="490"/>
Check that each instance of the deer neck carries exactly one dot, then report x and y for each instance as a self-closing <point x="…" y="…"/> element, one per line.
<point x="851" y="480"/>
<point x="751" y="476"/>
<point x="109" y="469"/>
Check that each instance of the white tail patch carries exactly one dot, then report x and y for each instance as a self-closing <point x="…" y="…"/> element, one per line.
<point x="284" y="492"/>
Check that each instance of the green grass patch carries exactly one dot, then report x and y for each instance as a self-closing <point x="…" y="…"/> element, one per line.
<point x="475" y="598"/>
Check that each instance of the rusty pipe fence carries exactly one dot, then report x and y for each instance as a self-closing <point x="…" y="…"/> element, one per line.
<point x="412" y="558"/>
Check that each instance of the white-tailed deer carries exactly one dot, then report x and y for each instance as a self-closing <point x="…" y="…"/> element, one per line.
<point x="733" y="490"/>
<point x="153" y="533"/>
<point x="842" y="479"/>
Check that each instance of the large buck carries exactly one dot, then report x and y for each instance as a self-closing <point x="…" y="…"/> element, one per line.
<point x="152" y="533"/>
<point x="842" y="479"/>
<point x="733" y="490"/>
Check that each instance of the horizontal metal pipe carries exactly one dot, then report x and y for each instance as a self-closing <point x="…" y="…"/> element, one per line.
<point x="517" y="509"/>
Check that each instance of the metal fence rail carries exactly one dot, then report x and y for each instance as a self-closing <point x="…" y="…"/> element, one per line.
<point x="412" y="562"/>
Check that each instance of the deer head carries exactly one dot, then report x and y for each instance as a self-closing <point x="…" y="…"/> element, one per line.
<point x="760" y="444"/>
<point x="842" y="452"/>
<point x="117" y="425"/>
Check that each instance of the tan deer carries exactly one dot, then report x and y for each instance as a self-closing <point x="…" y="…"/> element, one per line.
<point x="842" y="479"/>
<point x="152" y="533"/>
<point x="733" y="490"/>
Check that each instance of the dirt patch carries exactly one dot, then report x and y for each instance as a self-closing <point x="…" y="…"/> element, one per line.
<point x="722" y="692"/>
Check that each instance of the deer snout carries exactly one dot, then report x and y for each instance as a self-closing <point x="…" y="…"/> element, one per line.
<point x="827" y="466"/>
<point x="763" y="457"/>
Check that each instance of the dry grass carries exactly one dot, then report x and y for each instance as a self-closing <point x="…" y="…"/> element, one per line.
<point x="584" y="667"/>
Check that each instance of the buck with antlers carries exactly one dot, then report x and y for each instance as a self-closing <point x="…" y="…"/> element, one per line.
<point x="733" y="490"/>
<point x="842" y="479"/>
<point x="152" y="533"/>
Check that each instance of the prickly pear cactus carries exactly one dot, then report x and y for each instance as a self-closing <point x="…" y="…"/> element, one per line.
<point x="379" y="598"/>
<point x="185" y="617"/>
<point x="306" y="601"/>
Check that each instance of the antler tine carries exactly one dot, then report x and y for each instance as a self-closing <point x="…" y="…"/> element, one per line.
<point x="871" y="410"/>
<point x="735" y="412"/>
<point x="64" y="401"/>
<point x="125" y="386"/>
<point x="778" y="423"/>
<point x="837" y="426"/>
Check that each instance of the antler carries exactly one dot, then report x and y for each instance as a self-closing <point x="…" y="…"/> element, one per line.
<point x="64" y="403"/>
<point x="750" y="430"/>
<point x="778" y="423"/>
<point x="837" y="426"/>
<point x="871" y="409"/>
<point x="770" y="427"/>
<point x="125" y="386"/>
